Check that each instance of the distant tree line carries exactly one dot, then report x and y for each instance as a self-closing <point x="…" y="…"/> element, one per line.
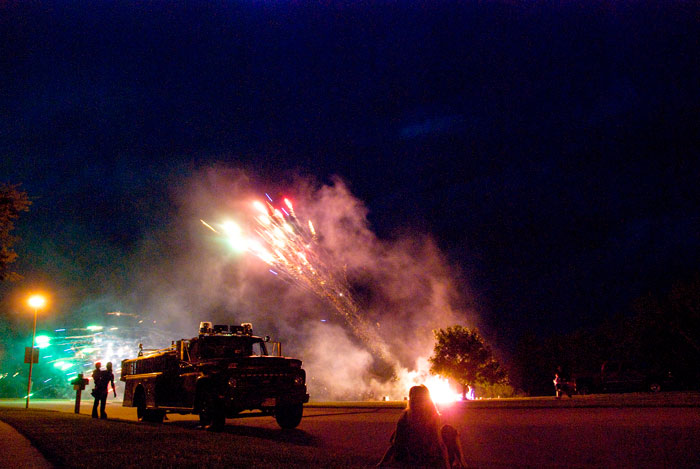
<point x="661" y="335"/>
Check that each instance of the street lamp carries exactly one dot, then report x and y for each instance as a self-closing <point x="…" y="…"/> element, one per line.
<point x="35" y="302"/>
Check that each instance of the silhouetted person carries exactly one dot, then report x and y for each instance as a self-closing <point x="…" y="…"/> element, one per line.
<point x="111" y="378"/>
<point x="416" y="441"/>
<point x="102" y="379"/>
<point x="96" y="381"/>
<point x="562" y="384"/>
<point x="557" y="385"/>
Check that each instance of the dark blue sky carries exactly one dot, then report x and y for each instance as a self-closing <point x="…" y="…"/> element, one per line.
<point x="551" y="149"/>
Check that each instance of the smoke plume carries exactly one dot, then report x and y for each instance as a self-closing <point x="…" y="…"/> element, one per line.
<point x="403" y="288"/>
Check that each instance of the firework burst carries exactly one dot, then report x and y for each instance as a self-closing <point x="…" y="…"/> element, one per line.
<point x="292" y="250"/>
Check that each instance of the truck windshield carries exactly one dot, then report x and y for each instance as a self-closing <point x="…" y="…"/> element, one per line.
<point x="227" y="346"/>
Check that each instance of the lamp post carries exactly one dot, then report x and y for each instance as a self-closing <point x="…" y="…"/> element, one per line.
<point x="36" y="302"/>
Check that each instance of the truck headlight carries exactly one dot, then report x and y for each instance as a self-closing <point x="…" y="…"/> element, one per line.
<point x="298" y="380"/>
<point x="232" y="382"/>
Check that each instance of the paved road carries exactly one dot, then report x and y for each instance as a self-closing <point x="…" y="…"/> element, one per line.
<point x="495" y="437"/>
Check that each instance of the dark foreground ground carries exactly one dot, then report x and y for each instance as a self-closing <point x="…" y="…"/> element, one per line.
<point x="628" y="431"/>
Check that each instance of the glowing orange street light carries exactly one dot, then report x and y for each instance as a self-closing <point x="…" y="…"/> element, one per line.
<point x="36" y="302"/>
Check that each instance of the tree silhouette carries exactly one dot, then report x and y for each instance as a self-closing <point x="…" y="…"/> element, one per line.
<point x="461" y="354"/>
<point x="12" y="202"/>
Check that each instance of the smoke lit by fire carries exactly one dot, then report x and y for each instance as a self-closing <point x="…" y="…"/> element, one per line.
<point x="290" y="247"/>
<point x="297" y="252"/>
<point x="441" y="390"/>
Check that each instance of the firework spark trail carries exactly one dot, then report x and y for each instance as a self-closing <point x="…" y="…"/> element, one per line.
<point x="84" y="349"/>
<point x="292" y="249"/>
<point x="297" y="253"/>
<point x="74" y="351"/>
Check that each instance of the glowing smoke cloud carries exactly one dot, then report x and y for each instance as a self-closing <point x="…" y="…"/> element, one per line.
<point x="405" y="288"/>
<point x="402" y="288"/>
<point x="292" y="250"/>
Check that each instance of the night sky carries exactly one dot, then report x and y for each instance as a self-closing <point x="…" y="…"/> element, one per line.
<point x="550" y="148"/>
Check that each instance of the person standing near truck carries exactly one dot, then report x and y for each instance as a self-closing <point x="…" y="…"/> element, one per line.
<point x="102" y="379"/>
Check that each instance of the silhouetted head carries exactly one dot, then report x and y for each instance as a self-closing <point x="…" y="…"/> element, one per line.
<point x="419" y="403"/>
<point x="418" y="395"/>
<point x="98" y="365"/>
<point x="109" y="366"/>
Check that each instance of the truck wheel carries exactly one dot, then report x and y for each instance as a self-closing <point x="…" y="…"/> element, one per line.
<point x="211" y="413"/>
<point x="140" y="403"/>
<point x="154" y="416"/>
<point x="289" y="416"/>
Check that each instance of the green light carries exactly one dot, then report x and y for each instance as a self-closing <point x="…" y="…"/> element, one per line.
<point x="42" y="341"/>
<point x="94" y="328"/>
<point x="63" y="366"/>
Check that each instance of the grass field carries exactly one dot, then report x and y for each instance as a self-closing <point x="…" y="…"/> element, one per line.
<point x="70" y="440"/>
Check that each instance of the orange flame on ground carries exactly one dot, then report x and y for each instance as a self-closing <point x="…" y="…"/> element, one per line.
<point x="440" y="390"/>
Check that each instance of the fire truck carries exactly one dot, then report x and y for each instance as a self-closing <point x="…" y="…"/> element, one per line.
<point x="219" y="374"/>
